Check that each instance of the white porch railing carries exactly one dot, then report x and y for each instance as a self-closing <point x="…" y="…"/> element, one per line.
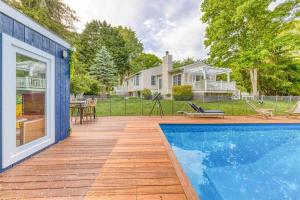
<point x="214" y="85"/>
<point x="31" y="83"/>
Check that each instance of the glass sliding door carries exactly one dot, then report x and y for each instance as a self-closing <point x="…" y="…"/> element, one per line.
<point x="30" y="99"/>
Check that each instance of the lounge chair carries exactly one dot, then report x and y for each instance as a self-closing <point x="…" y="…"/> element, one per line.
<point x="264" y="112"/>
<point x="295" y="112"/>
<point x="200" y="112"/>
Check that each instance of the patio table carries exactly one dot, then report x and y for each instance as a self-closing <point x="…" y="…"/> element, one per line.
<point x="81" y="105"/>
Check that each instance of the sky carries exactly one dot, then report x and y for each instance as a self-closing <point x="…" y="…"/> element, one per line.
<point x="161" y="25"/>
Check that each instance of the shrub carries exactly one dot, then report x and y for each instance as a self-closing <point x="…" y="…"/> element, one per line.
<point x="182" y="92"/>
<point x="147" y="94"/>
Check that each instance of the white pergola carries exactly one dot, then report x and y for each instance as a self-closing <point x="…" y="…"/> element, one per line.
<point x="206" y="70"/>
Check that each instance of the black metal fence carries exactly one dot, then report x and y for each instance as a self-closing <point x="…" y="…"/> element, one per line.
<point x="137" y="106"/>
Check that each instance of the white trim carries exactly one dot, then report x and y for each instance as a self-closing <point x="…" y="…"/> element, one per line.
<point x="10" y="153"/>
<point x="20" y="17"/>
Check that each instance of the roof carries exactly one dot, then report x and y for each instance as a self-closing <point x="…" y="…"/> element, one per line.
<point x="29" y="22"/>
<point x="201" y="68"/>
<point x="137" y="73"/>
<point x="195" y="68"/>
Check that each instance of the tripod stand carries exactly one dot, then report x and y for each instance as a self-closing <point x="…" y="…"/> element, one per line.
<point x="157" y="104"/>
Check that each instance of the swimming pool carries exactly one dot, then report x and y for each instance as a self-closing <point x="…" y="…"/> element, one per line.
<point x="237" y="162"/>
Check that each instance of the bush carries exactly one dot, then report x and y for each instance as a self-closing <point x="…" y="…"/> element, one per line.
<point x="146" y="93"/>
<point x="182" y="92"/>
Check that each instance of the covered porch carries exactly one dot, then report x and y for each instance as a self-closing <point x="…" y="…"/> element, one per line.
<point x="207" y="79"/>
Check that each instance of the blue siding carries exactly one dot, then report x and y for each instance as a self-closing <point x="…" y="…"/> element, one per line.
<point x="19" y="31"/>
<point x="62" y="71"/>
<point x="7" y="24"/>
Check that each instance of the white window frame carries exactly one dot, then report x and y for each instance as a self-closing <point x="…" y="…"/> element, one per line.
<point x="10" y="152"/>
<point x="153" y="80"/>
<point x="160" y="84"/>
<point x="175" y="79"/>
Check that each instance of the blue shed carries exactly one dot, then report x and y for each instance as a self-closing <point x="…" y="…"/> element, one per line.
<point x="34" y="97"/>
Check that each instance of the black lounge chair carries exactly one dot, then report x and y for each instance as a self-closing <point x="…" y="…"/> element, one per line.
<point x="200" y="112"/>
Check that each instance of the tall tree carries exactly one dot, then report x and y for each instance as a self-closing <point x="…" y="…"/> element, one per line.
<point x="54" y="14"/>
<point x="133" y="45"/>
<point x="144" y="61"/>
<point x="98" y="34"/>
<point x="245" y="35"/>
<point x="104" y="69"/>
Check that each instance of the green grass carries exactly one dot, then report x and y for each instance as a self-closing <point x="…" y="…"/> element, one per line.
<point x="118" y="106"/>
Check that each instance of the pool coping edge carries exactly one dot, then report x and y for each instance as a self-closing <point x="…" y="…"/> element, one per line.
<point x="187" y="186"/>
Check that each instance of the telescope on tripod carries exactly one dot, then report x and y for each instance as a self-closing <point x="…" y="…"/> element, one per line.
<point x="157" y="105"/>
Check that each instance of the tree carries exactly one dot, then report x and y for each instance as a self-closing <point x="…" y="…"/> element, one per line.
<point x="245" y="35"/>
<point x="81" y="81"/>
<point x="53" y="14"/>
<point x="104" y="69"/>
<point x="98" y="34"/>
<point x="184" y="62"/>
<point x="132" y="43"/>
<point x="144" y="61"/>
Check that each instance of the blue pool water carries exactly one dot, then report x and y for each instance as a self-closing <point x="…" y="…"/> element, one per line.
<point x="239" y="162"/>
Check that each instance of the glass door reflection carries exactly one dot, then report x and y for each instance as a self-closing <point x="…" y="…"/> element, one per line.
<point x="30" y="99"/>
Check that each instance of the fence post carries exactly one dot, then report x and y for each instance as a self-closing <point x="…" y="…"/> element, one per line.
<point x="231" y="107"/>
<point x="125" y="105"/>
<point x="276" y="104"/>
<point x="109" y="105"/>
<point x="172" y="106"/>
<point x="142" y="111"/>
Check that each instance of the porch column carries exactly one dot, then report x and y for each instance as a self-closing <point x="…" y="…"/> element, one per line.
<point x="228" y="77"/>
<point x="183" y="79"/>
<point x="205" y="79"/>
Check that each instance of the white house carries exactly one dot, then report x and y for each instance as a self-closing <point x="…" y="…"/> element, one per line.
<point x="203" y="78"/>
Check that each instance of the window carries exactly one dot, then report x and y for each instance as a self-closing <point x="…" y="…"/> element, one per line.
<point x="137" y="80"/>
<point x="199" y="78"/>
<point x="160" y="83"/>
<point x="153" y="80"/>
<point x="177" y="79"/>
<point x="30" y="99"/>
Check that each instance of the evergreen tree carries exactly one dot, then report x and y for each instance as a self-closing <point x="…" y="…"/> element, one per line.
<point x="98" y="34"/>
<point x="104" y="70"/>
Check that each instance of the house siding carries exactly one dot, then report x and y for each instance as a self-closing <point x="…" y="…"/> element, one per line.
<point x="23" y="33"/>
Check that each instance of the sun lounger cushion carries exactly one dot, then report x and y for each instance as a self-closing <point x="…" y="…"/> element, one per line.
<point x="213" y="111"/>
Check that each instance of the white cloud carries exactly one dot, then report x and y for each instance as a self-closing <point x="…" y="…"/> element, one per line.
<point x="162" y="25"/>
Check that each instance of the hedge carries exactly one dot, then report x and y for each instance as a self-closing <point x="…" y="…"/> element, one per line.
<point x="182" y="92"/>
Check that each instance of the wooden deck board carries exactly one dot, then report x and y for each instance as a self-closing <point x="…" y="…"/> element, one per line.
<point x="114" y="158"/>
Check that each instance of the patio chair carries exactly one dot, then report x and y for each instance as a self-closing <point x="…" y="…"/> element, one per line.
<point x="200" y="112"/>
<point x="295" y="111"/>
<point x="264" y="112"/>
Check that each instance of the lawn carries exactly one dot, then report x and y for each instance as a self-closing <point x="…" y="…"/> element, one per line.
<point x="132" y="106"/>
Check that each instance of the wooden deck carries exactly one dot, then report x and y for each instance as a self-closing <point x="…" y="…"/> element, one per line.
<point x="112" y="158"/>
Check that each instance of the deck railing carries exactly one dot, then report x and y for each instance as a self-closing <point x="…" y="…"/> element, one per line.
<point x="31" y="83"/>
<point x="207" y="85"/>
<point x="134" y="106"/>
